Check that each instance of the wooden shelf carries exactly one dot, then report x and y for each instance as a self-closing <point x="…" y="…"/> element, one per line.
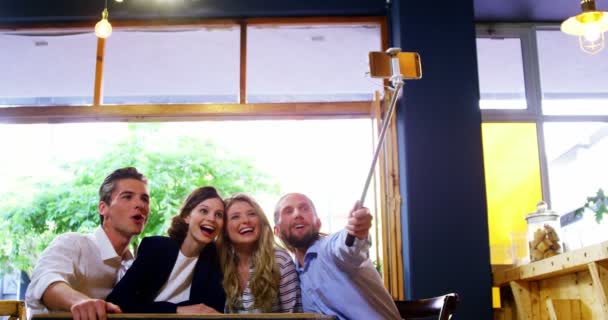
<point x="572" y="261"/>
<point x="571" y="285"/>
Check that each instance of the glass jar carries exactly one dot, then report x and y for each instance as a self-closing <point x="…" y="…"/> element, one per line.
<point x="543" y="232"/>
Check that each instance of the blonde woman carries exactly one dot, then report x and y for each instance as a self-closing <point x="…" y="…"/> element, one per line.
<point x="259" y="276"/>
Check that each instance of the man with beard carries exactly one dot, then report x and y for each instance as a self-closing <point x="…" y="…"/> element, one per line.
<point x="77" y="271"/>
<point x="335" y="279"/>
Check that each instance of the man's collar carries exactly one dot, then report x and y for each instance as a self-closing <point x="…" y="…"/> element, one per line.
<point x="106" y="249"/>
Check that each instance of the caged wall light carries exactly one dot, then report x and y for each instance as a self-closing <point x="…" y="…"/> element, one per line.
<point x="589" y="26"/>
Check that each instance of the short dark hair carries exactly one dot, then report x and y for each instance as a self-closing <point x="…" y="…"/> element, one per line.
<point x="179" y="228"/>
<point x="109" y="183"/>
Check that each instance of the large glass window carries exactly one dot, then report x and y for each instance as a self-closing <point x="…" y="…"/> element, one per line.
<point x="195" y="65"/>
<point x="501" y="73"/>
<point x="47" y="68"/>
<point x="59" y="156"/>
<point x="512" y="176"/>
<point x="559" y="144"/>
<point x="576" y="154"/>
<point x="573" y="82"/>
<point x="311" y="63"/>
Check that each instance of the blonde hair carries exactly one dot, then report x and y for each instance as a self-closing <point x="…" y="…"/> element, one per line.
<point x="264" y="282"/>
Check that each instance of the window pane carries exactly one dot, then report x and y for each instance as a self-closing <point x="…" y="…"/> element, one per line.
<point x="576" y="154"/>
<point x="501" y="74"/>
<point x="172" y="66"/>
<point x="573" y="82"/>
<point x="47" y="69"/>
<point x="311" y="63"/>
<point x="50" y="165"/>
<point x="513" y="187"/>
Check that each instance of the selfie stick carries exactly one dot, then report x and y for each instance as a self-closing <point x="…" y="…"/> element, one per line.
<point x="397" y="82"/>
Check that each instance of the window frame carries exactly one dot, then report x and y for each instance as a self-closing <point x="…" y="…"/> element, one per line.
<point x="526" y="32"/>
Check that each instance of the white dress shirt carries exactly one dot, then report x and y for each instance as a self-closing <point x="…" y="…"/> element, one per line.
<point x="86" y="262"/>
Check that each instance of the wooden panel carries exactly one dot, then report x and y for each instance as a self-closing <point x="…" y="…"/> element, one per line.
<point x="243" y="65"/>
<point x="599" y="288"/>
<point x="13" y="308"/>
<point x="505" y="313"/>
<point x="521" y="294"/>
<point x="536" y="306"/>
<point x="564" y="309"/>
<point x="98" y="87"/>
<point x="8" y="308"/>
<point x="186" y="112"/>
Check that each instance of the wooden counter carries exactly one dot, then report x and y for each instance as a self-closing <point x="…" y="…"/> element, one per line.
<point x="140" y="316"/>
<point x="572" y="285"/>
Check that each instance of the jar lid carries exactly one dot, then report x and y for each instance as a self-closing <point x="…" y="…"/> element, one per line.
<point x="542" y="210"/>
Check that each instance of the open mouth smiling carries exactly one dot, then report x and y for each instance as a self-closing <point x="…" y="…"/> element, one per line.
<point x="246" y="230"/>
<point x="207" y="230"/>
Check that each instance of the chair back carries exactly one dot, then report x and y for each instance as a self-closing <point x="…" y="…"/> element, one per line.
<point x="442" y="306"/>
<point x="14" y="309"/>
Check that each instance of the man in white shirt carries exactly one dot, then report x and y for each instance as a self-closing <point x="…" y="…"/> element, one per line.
<point x="77" y="271"/>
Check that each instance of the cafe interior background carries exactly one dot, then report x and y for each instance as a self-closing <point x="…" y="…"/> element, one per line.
<point x="275" y="96"/>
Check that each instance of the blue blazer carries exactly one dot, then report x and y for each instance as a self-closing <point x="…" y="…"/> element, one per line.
<point x="156" y="256"/>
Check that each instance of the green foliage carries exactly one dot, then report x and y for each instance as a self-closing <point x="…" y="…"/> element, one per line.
<point x="597" y="204"/>
<point x="29" y="222"/>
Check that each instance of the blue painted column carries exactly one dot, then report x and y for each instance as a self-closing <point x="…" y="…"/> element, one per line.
<point x="444" y="215"/>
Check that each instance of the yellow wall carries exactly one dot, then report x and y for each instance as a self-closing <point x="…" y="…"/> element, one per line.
<point x="513" y="183"/>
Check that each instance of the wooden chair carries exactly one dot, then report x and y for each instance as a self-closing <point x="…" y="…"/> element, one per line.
<point x="14" y="309"/>
<point x="443" y="307"/>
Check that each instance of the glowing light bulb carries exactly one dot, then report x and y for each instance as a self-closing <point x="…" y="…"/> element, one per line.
<point x="592" y="32"/>
<point x="103" y="28"/>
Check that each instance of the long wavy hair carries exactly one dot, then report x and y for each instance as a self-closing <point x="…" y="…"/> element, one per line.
<point x="264" y="282"/>
<point x="179" y="227"/>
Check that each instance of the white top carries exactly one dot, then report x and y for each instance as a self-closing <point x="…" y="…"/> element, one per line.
<point x="177" y="287"/>
<point x="86" y="262"/>
<point x="288" y="299"/>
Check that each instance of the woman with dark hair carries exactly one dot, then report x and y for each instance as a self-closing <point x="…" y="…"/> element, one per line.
<point x="260" y="277"/>
<point x="179" y="273"/>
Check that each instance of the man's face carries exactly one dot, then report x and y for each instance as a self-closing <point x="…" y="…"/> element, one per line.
<point x="298" y="224"/>
<point x="127" y="212"/>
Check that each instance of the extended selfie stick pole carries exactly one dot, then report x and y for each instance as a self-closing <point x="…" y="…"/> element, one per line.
<point x="397" y="82"/>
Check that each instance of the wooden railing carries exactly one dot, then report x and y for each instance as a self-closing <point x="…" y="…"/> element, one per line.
<point x="140" y="316"/>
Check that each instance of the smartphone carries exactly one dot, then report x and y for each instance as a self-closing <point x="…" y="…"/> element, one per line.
<point x="409" y="65"/>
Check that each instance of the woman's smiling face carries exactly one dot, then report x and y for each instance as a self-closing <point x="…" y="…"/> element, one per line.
<point x="206" y="220"/>
<point x="242" y="224"/>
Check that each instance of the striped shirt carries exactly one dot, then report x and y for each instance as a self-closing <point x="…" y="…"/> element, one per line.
<point x="288" y="299"/>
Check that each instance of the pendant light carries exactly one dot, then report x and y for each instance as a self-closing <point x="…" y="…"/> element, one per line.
<point x="103" y="28"/>
<point x="589" y="26"/>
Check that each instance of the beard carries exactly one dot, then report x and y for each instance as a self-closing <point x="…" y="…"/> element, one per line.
<point x="303" y="242"/>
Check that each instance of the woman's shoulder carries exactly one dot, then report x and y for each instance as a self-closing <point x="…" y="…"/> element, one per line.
<point x="158" y="244"/>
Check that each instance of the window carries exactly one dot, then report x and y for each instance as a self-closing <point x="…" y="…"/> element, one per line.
<point x="573" y="82"/>
<point x="47" y="68"/>
<point x="501" y="56"/>
<point x="175" y="94"/>
<point x="172" y="66"/>
<point x="563" y="129"/>
<point x="311" y="63"/>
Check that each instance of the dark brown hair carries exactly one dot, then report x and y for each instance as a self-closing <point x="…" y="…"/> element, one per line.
<point x="179" y="228"/>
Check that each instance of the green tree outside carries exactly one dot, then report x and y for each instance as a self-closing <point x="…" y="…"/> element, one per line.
<point x="36" y="212"/>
